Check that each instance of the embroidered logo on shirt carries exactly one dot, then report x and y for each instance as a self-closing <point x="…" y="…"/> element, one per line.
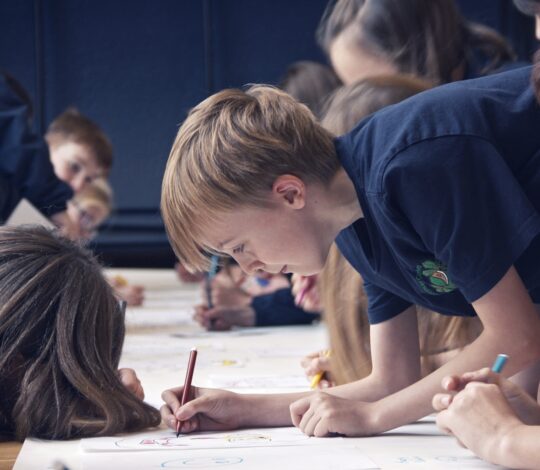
<point x="432" y="278"/>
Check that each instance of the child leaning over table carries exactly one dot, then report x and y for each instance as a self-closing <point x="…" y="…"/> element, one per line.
<point x="434" y="201"/>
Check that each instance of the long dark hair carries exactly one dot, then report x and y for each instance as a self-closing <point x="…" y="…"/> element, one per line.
<point x="61" y="335"/>
<point x="428" y="38"/>
<point x="532" y="8"/>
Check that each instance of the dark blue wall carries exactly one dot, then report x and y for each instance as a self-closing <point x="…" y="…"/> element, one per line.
<point x="137" y="66"/>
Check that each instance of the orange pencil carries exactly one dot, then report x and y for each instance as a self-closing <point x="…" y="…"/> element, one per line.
<point x="187" y="384"/>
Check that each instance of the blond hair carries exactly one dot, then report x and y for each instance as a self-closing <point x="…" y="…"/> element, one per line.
<point x="72" y="126"/>
<point x="345" y="314"/>
<point x="98" y="191"/>
<point x="228" y="153"/>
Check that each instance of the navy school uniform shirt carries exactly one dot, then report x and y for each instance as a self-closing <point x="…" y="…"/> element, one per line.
<point x="278" y="308"/>
<point x="25" y="166"/>
<point x="449" y="185"/>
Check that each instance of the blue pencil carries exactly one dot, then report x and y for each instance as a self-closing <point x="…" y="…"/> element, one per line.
<point x="212" y="271"/>
<point x="499" y="363"/>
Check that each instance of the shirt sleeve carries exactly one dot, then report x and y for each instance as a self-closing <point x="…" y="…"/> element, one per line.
<point x="36" y="181"/>
<point x="278" y="308"/>
<point x="457" y="196"/>
<point x="24" y="157"/>
<point x="383" y="305"/>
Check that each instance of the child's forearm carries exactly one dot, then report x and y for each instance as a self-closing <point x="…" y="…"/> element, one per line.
<point x="368" y="389"/>
<point x="414" y="402"/>
<point x="261" y="410"/>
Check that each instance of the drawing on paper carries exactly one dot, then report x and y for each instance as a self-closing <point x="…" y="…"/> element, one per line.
<point x="240" y="438"/>
<point x="159" y="440"/>
<point x="202" y="462"/>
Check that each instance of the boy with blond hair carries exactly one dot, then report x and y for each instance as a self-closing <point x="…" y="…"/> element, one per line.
<point x="435" y="201"/>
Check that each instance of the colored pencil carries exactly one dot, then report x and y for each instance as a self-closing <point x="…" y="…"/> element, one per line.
<point x="187" y="383"/>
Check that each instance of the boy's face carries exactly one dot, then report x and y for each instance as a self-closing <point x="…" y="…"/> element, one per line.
<point x="274" y="240"/>
<point x="74" y="164"/>
<point x="291" y="234"/>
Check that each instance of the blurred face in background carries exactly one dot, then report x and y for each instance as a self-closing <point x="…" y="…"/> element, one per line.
<point x="351" y="63"/>
<point x="88" y="215"/>
<point x="74" y="164"/>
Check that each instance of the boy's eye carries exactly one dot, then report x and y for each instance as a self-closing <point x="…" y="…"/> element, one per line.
<point x="238" y="249"/>
<point x="74" y="167"/>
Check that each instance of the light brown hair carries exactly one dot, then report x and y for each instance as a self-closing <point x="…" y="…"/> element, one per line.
<point x="310" y="83"/>
<point x="428" y="38"/>
<point x="99" y="191"/>
<point x="343" y="298"/>
<point x="349" y="104"/>
<point x="228" y="153"/>
<point x="61" y="335"/>
<point x="72" y="126"/>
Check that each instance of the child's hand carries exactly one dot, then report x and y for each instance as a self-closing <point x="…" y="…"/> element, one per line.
<point x="317" y="362"/>
<point x="321" y="414"/>
<point x="133" y="295"/>
<point x="526" y="408"/>
<point x="208" y="410"/>
<point x="129" y="379"/>
<point x="306" y="292"/>
<point x="186" y="276"/>
<point x="480" y="418"/>
<point x="224" y="318"/>
<point x="227" y="293"/>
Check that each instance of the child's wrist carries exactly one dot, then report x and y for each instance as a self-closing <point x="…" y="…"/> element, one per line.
<point x="505" y="445"/>
<point x="377" y="418"/>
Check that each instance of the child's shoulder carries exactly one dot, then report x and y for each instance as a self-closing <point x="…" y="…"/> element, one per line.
<point x="488" y="109"/>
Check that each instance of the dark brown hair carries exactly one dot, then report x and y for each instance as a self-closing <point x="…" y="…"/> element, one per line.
<point x="428" y="38"/>
<point x="72" y="126"/>
<point x="61" y="335"/>
<point x="310" y="83"/>
<point x="532" y="8"/>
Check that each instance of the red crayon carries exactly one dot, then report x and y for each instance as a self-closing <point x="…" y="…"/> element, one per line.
<point x="187" y="384"/>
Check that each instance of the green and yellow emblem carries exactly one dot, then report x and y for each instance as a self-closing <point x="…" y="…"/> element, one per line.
<point x="432" y="278"/>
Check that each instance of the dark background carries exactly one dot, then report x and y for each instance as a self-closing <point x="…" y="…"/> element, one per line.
<point x="137" y="66"/>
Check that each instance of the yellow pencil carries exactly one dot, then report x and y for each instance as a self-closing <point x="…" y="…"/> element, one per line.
<point x="120" y="281"/>
<point x="319" y="375"/>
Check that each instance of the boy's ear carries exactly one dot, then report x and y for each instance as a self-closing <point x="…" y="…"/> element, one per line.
<point x="290" y="190"/>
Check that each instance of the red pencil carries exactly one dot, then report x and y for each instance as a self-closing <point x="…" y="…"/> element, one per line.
<point x="187" y="384"/>
<point x="310" y="282"/>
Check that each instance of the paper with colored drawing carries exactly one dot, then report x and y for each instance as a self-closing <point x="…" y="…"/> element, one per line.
<point x="167" y="440"/>
<point x="326" y="457"/>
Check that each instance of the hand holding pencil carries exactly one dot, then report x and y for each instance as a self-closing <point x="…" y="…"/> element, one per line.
<point x="206" y="410"/>
<point x="316" y="367"/>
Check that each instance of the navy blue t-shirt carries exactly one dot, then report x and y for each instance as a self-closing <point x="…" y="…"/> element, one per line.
<point x="449" y="185"/>
<point x="25" y="166"/>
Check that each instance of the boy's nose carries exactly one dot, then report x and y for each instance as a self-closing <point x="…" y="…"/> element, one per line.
<point x="250" y="267"/>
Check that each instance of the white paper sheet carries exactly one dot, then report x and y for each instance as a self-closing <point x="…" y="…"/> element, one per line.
<point x="25" y="213"/>
<point x="259" y="381"/>
<point x="327" y="457"/>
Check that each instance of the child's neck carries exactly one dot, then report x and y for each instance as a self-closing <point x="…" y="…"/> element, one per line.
<point x="341" y="207"/>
